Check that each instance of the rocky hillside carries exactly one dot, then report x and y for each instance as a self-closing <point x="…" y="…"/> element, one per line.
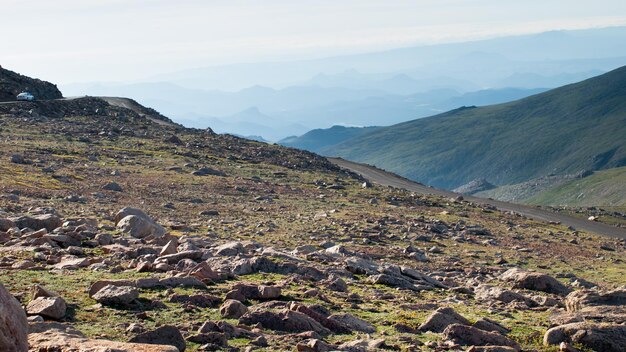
<point x="563" y="131"/>
<point x="118" y="231"/>
<point x="12" y="84"/>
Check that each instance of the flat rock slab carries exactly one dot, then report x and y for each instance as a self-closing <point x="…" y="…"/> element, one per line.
<point x="62" y="338"/>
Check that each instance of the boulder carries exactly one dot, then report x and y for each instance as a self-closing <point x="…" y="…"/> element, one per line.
<point x="169" y="248"/>
<point x="140" y="227"/>
<point x="6" y="224"/>
<point x="441" y="318"/>
<point x="598" y="337"/>
<point x="203" y="271"/>
<point x="63" y="338"/>
<point x="284" y="320"/>
<point x="257" y="292"/>
<point x="13" y="323"/>
<point x="112" y="186"/>
<point x="587" y="298"/>
<point x="488" y="293"/>
<point x="98" y="285"/>
<point x="534" y="281"/>
<point x="229" y="249"/>
<point x="205" y="171"/>
<point x="232" y="309"/>
<point x="471" y="336"/>
<point x="490" y="325"/>
<point x="164" y="335"/>
<point x="353" y="322"/>
<point x="329" y="323"/>
<point x="47" y="307"/>
<point x="38" y="222"/>
<point x="198" y="300"/>
<point x="116" y="295"/>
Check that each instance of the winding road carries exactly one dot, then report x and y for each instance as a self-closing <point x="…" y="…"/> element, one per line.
<point x="385" y="178"/>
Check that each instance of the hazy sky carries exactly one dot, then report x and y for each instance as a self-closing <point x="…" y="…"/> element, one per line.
<point x="106" y="40"/>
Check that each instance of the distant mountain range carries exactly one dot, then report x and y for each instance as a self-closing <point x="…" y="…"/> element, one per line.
<point x="566" y="130"/>
<point x="280" y="99"/>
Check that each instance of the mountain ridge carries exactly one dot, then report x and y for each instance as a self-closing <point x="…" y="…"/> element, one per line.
<point x="461" y="145"/>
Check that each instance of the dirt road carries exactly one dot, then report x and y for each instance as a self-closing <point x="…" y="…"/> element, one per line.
<point x="389" y="179"/>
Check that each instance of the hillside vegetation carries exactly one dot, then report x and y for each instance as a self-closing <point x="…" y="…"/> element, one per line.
<point x="607" y="187"/>
<point x="577" y="127"/>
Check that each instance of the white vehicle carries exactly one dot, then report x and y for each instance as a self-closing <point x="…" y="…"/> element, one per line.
<point x="25" y="96"/>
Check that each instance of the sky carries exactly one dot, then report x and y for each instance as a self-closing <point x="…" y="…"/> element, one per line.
<point x="67" y="41"/>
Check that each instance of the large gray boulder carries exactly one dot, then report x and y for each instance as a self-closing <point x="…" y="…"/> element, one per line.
<point x="140" y="227"/>
<point x="13" y="323"/>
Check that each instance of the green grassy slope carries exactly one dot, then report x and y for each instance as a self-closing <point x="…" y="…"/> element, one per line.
<point x="565" y="130"/>
<point x="323" y="139"/>
<point x="603" y="188"/>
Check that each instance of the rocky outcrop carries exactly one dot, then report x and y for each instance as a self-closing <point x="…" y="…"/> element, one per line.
<point x="12" y="84"/>
<point x="13" y="323"/>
